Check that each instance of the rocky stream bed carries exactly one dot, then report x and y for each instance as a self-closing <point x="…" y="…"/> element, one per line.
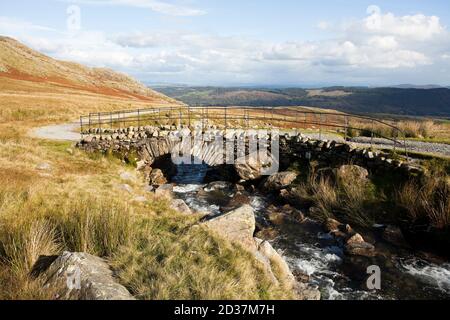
<point x="314" y="255"/>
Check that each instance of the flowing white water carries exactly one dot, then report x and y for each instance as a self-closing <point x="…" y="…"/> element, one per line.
<point x="432" y="275"/>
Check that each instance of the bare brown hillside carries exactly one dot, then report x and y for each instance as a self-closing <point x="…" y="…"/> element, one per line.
<point x="34" y="86"/>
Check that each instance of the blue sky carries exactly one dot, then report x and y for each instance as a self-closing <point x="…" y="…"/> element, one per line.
<point x="250" y="42"/>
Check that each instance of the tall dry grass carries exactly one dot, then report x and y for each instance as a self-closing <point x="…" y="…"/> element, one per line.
<point x="76" y="207"/>
<point x="428" y="200"/>
<point x="344" y="196"/>
<point x="425" y="129"/>
<point x="169" y="259"/>
<point x="155" y="251"/>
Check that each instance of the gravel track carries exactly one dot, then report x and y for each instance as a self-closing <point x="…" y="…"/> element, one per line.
<point x="65" y="131"/>
<point x="69" y="132"/>
<point x="416" y="146"/>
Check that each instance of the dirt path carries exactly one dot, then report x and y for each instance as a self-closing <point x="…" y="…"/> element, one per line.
<point x="69" y="132"/>
<point x="441" y="149"/>
<point x="64" y="131"/>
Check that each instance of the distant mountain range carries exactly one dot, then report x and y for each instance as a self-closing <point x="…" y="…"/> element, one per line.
<point x="413" y="86"/>
<point x="428" y="100"/>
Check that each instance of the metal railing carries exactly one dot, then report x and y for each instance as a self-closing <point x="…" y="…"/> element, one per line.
<point x="243" y="117"/>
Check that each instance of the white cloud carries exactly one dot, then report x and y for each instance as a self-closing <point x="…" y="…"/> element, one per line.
<point x="19" y="25"/>
<point x="384" y="50"/>
<point x="154" y="5"/>
<point x="417" y="27"/>
<point x="384" y="43"/>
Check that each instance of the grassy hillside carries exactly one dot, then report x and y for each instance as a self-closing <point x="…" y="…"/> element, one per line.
<point x="54" y="197"/>
<point x="411" y="101"/>
<point x="37" y="89"/>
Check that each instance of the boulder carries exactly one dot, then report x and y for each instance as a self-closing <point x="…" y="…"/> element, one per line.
<point x="236" y="226"/>
<point x="140" y="165"/>
<point x="279" y="181"/>
<point x="180" y="206"/>
<point x="164" y="191"/>
<point x="156" y="177"/>
<point x="331" y="225"/>
<point x="274" y="261"/>
<point x="251" y="167"/>
<point x="237" y="200"/>
<point x="356" y="238"/>
<point x="360" y="249"/>
<point x="394" y="235"/>
<point x="352" y="173"/>
<point x="81" y="276"/>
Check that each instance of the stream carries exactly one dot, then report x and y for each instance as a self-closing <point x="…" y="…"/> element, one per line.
<point x="307" y="249"/>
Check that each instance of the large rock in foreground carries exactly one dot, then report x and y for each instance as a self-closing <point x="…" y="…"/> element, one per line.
<point x="236" y="226"/>
<point x="81" y="276"/>
<point x="279" y="180"/>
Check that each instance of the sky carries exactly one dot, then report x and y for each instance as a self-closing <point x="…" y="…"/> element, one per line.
<point x="243" y="43"/>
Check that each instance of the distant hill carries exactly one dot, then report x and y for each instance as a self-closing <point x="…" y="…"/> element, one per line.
<point x="401" y="101"/>
<point x="413" y="86"/>
<point x="22" y="68"/>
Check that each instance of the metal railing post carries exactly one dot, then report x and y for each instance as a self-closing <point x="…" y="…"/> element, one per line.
<point x="345" y="127"/>
<point x="320" y="127"/>
<point x="395" y="138"/>
<point x="271" y="124"/>
<point x="225" y="119"/>
<point x="404" y="145"/>
<point x="139" y="117"/>
<point x="371" y="135"/>
<point x="189" y="116"/>
<point x="99" y="123"/>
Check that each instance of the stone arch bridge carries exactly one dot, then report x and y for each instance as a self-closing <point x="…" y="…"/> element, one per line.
<point x="218" y="136"/>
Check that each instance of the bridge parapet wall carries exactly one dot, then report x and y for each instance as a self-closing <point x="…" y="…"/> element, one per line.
<point x="150" y="142"/>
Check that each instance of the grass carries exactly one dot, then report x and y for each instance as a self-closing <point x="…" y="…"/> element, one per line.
<point x="155" y="251"/>
<point x="390" y="198"/>
<point x="427" y="200"/>
<point x="171" y="260"/>
<point x="342" y="196"/>
<point x="418" y="130"/>
<point x="76" y="206"/>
